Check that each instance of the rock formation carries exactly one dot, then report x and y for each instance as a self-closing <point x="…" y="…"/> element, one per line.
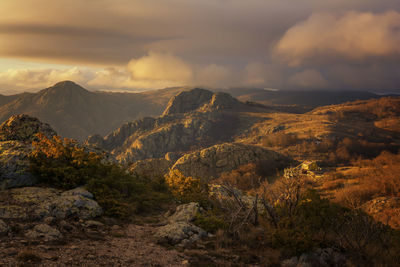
<point x="193" y="119"/>
<point x="16" y="136"/>
<point x="210" y="163"/>
<point x="38" y="203"/>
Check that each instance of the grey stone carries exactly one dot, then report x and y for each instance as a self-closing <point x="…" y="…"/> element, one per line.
<point x="185" y="212"/>
<point x="45" y="232"/>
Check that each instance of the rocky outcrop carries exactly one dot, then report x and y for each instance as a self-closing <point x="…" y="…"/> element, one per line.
<point x="151" y="168"/>
<point x="222" y="101"/>
<point x="210" y="163"/>
<point x="38" y="203"/>
<point x="180" y="230"/>
<point x="16" y="136"/>
<point x="23" y="128"/>
<point x="188" y="101"/>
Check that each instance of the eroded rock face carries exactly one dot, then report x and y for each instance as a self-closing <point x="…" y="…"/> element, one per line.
<point x="151" y="168"/>
<point x="210" y="163"/>
<point x="188" y="101"/>
<point x="16" y="136"/>
<point x="38" y="203"/>
<point x="193" y="119"/>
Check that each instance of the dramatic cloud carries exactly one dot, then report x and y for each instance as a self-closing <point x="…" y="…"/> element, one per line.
<point x="353" y="36"/>
<point x="160" y="67"/>
<point x="131" y="44"/>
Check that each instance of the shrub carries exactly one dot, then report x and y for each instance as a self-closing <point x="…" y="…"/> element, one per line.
<point x="210" y="222"/>
<point x="244" y="178"/>
<point x="64" y="164"/>
<point x="187" y="189"/>
<point x="280" y="139"/>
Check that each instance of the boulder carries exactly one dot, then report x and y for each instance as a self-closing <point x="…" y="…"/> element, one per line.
<point x="43" y="232"/>
<point x="179" y="229"/>
<point x="178" y="232"/>
<point x="208" y="164"/>
<point x="185" y="212"/>
<point x="38" y="203"/>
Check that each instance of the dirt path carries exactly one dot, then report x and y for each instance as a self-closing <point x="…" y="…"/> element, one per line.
<point x="136" y="247"/>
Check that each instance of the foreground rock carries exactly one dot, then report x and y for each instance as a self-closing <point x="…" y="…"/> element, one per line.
<point x="44" y="232"/>
<point x="210" y="163"/>
<point x="16" y="136"/>
<point x="38" y="203"/>
<point x="320" y="257"/>
<point x="180" y="230"/>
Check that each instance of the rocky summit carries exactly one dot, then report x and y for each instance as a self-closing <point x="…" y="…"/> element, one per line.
<point x="23" y="128"/>
<point x="16" y="136"/>
<point x="193" y="119"/>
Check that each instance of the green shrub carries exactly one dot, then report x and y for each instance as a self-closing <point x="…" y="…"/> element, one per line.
<point x="64" y="164"/>
<point x="210" y="222"/>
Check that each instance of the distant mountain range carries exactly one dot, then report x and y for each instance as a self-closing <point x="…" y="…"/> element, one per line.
<point x="309" y="98"/>
<point x="76" y="112"/>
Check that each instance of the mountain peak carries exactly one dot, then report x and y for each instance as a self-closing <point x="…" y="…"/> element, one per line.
<point x="66" y="84"/>
<point x="187" y="101"/>
<point x="64" y="87"/>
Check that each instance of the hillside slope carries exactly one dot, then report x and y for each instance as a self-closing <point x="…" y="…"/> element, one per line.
<point x="76" y="112"/>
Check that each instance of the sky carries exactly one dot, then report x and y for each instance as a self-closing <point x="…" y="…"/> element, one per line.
<point x="140" y="45"/>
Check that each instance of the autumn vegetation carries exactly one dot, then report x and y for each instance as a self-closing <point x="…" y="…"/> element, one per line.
<point x="64" y="164"/>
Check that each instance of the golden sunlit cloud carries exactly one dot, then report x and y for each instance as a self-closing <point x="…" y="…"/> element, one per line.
<point x="160" y="67"/>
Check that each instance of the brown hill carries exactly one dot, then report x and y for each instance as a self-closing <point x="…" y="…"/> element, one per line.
<point x="76" y="112"/>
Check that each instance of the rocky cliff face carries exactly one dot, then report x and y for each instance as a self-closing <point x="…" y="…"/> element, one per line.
<point x="193" y="119"/>
<point x="210" y="163"/>
<point x="16" y="136"/>
<point x="188" y="101"/>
